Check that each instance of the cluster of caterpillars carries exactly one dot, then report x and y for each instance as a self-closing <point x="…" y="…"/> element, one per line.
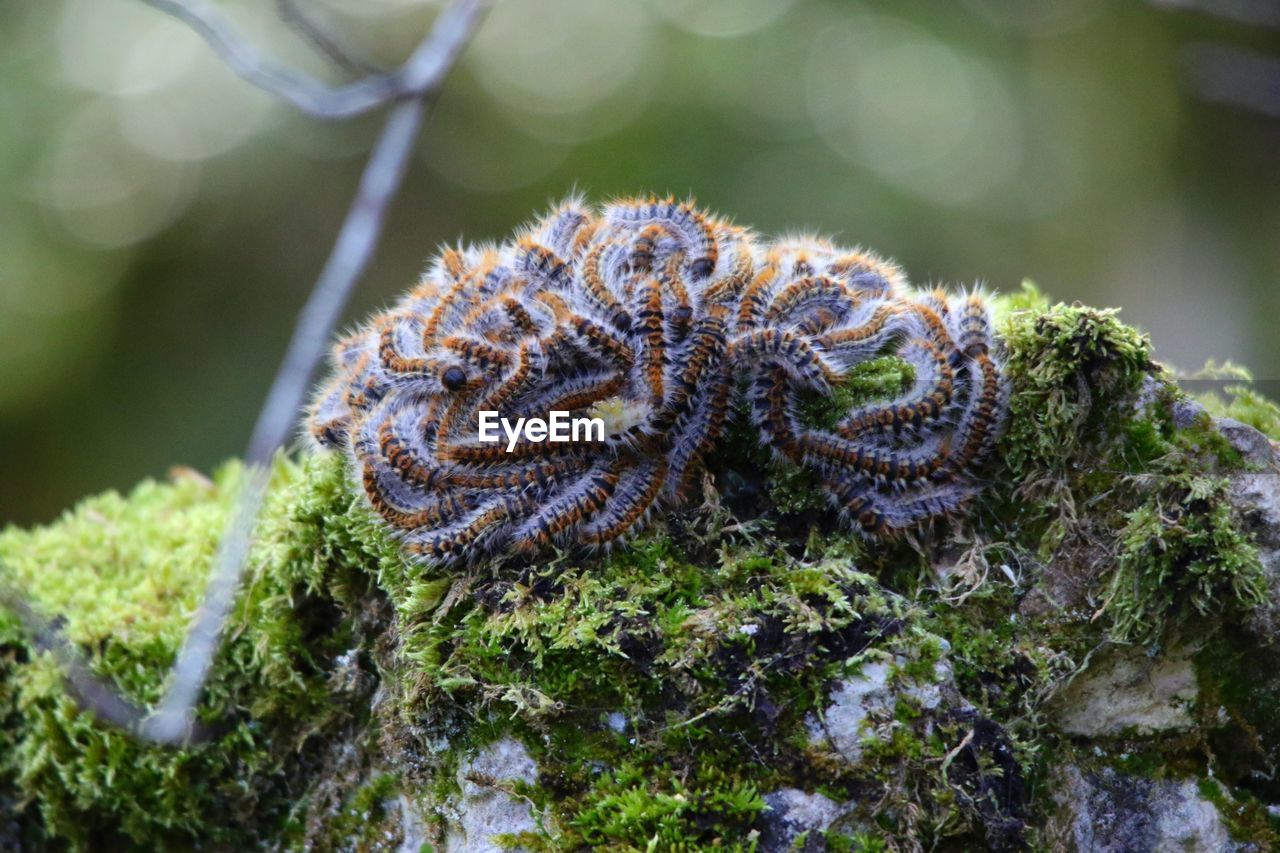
<point x="654" y="315"/>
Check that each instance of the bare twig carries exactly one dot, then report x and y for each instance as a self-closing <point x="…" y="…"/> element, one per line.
<point x="90" y="690"/>
<point x="421" y="75"/>
<point x="429" y="62"/>
<point x="411" y="90"/>
<point x="347" y="261"/>
<point x="322" y="39"/>
<point x="305" y="93"/>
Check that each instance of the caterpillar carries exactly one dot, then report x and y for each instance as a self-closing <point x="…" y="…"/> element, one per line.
<point x="659" y="315"/>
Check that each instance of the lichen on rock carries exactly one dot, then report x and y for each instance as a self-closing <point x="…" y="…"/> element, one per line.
<point x="1085" y="660"/>
<point x="1109" y="812"/>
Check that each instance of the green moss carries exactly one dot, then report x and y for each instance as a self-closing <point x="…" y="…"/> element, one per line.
<point x="713" y="671"/>
<point x="1027" y="299"/>
<point x="1090" y="469"/>
<point x="1073" y="373"/>
<point x="1182" y="555"/>
<point x="122" y="575"/>
<point x="860" y="842"/>
<point x="17" y="830"/>
<point x="796" y="491"/>
<point x="1246" y="405"/>
<point x="1176" y="544"/>
<point x="876" y="379"/>
<point x="1067" y="365"/>
<point x="1240" y="716"/>
<point x="1240" y="401"/>
<point x="787" y="488"/>
<point x="1247" y="819"/>
<point x="713" y="638"/>
<point x="619" y="633"/>
<point x="365" y="822"/>
<point x="645" y="808"/>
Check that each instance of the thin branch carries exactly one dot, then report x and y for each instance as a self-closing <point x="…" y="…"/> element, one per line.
<point x="305" y="93"/>
<point x="173" y="720"/>
<point x="322" y="39"/>
<point x="361" y="229"/>
<point x="90" y="690"/>
<point x="346" y="263"/>
<point x="411" y="89"/>
<point x="414" y="79"/>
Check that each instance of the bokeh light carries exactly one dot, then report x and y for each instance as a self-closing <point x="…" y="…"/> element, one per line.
<point x="722" y="18"/>
<point x="104" y="190"/>
<point x="920" y="113"/>
<point x="161" y="220"/>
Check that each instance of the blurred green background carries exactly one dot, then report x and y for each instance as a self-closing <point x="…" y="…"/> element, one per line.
<point x="161" y="221"/>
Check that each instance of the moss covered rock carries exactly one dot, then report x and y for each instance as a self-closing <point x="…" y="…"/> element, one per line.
<point x="746" y="675"/>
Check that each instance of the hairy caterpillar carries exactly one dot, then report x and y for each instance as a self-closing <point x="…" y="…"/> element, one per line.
<point x="657" y="313"/>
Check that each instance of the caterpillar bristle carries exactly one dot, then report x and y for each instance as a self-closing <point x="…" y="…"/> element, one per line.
<point x="653" y="308"/>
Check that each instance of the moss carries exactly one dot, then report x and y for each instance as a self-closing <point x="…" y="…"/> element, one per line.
<point x="876" y="379"/>
<point x="122" y="576"/>
<point x="1247" y="819"/>
<point x="1027" y="299"/>
<point x="1243" y="403"/>
<point x="1067" y="364"/>
<point x="1239" y="731"/>
<point x="686" y="653"/>
<point x="1159" y="506"/>
<point x="713" y="673"/>
<point x="754" y="481"/>
<point x="1091" y="468"/>
<point x="665" y="687"/>
<point x="1240" y="714"/>
<point x="642" y="807"/>
<point x="944" y="777"/>
<point x="1002" y="663"/>
<point x="17" y="830"/>
<point x="794" y="490"/>
<point x="366" y="822"/>
<point x="859" y="842"/>
<point x="1182" y="555"/>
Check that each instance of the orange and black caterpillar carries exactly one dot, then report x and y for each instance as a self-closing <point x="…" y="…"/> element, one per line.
<point x="657" y="314"/>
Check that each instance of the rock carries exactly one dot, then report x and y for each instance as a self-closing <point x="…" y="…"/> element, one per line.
<point x="1256" y="448"/>
<point x="1152" y="395"/>
<point x="1127" y="690"/>
<point x="608" y="659"/>
<point x="485" y="808"/>
<point x="844" y="725"/>
<point x="1148" y="394"/>
<point x="1187" y="821"/>
<point x="1186" y="412"/>
<point x="1110" y="812"/>
<point x="1065" y="584"/>
<point x="1255" y="496"/>
<point x="413" y="830"/>
<point x="858" y="702"/>
<point x="792" y="814"/>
